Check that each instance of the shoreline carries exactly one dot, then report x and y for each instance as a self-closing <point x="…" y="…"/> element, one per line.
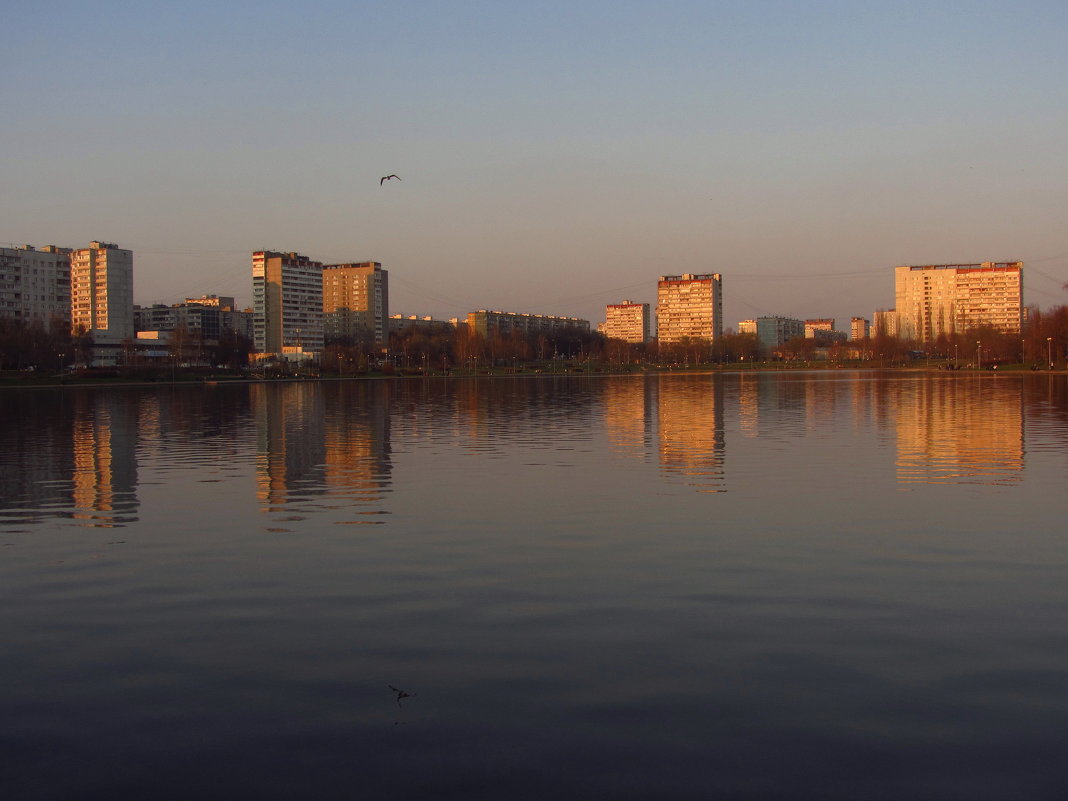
<point x="65" y="382"/>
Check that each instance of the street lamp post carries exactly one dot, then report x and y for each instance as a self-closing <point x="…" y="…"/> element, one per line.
<point x="978" y="355"/>
<point x="1049" y="351"/>
<point x="956" y="360"/>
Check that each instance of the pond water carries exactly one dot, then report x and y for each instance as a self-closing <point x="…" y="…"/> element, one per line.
<point x="827" y="585"/>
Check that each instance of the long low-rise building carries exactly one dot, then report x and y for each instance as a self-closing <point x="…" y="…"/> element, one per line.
<point x="428" y="325"/>
<point x="487" y="322"/>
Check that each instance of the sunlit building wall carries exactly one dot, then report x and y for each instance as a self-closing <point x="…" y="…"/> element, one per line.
<point x="628" y="321"/>
<point x="487" y="322"/>
<point x="689" y="306"/>
<point x="933" y="300"/>
<point x="356" y="301"/>
<point x="814" y="326"/>
<point x="885" y="323"/>
<point x="425" y="324"/>
<point x="101" y="293"/>
<point x="859" y="328"/>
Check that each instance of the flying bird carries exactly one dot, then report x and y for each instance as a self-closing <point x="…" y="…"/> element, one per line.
<point x="400" y="694"/>
<point x="385" y="178"/>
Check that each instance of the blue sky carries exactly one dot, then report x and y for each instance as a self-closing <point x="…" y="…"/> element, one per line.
<point x="554" y="157"/>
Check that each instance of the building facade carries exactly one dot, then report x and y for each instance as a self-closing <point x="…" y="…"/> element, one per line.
<point x="427" y="325"/>
<point x="35" y="284"/>
<point x="689" y="306"/>
<point x="101" y="293"/>
<point x="859" y="328"/>
<point x="937" y="299"/>
<point x="813" y="327"/>
<point x="356" y="302"/>
<point x="885" y="323"/>
<point x="208" y="321"/>
<point x="628" y="321"/>
<point x="231" y="318"/>
<point x="485" y="323"/>
<point x="218" y="301"/>
<point x="772" y="332"/>
<point x="287" y="304"/>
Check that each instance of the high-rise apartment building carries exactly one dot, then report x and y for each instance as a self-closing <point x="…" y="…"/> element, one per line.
<point x="628" y="321"/>
<point x="287" y="303"/>
<point x="356" y="301"/>
<point x="859" y="328"/>
<point x="35" y="284"/>
<point x="101" y="293"/>
<point x="690" y="306"/>
<point x="938" y="299"/>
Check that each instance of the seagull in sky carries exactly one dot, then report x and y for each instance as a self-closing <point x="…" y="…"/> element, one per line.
<point x="385" y="178"/>
<point x="400" y="694"/>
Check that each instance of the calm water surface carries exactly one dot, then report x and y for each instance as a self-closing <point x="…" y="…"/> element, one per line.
<point x="824" y="585"/>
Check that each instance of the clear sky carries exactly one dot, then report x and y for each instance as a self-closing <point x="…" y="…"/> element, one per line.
<point x="554" y="156"/>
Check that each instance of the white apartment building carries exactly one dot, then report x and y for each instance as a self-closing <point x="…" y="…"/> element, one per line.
<point x="937" y="299"/>
<point x="689" y="306"/>
<point x="101" y="293"/>
<point x="628" y="321"/>
<point x="287" y="304"/>
<point x="35" y="284"/>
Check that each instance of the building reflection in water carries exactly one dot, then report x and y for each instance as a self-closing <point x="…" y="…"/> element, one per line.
<point x="780" y="406"/>
<point x="749" y="404"/>
<point x="690" y="436"/>
<point x="35" y="443"/>
<point x="680" y="417"/>
<point x="628" y="416"/>
<point x="104" y="444"/>
<point x="317" y="444"/>
<point x="327" y="446"/>
<point x="290" y="452"/>
<point x="958" y="430"/>
<point x="356" y="442"/>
